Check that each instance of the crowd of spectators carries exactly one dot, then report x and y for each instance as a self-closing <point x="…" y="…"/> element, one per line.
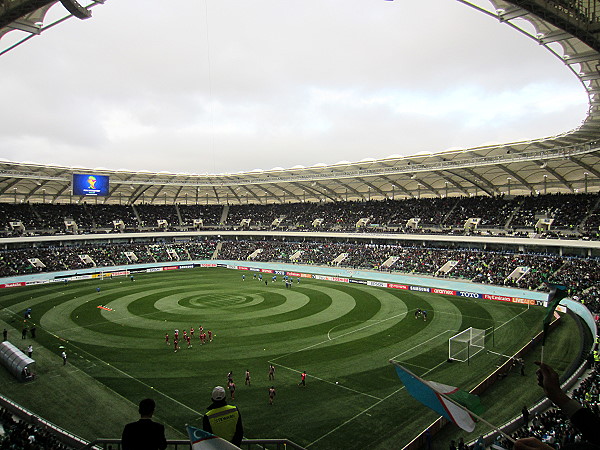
<point x="552" y="426"/>
<point x="18" y="434"/>
<point x="522" y="270"/>
<point x="575" y="215"/>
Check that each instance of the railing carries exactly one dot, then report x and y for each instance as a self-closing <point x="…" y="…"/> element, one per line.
<point x="184" y="444"/>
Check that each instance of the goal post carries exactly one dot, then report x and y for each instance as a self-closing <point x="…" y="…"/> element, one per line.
<point x="466" y="344"/>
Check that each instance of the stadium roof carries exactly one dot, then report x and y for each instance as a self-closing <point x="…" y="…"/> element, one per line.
<point x="569" y="162"/>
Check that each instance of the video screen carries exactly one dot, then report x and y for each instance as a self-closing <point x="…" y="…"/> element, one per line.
<point x="90" y="184"/>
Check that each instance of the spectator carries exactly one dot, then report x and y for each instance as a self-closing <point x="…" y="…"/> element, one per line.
<point x="145" y="434"/>
<point x="581" y="417"/>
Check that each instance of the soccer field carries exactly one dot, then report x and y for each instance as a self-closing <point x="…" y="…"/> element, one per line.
<point x="342" y="334"/>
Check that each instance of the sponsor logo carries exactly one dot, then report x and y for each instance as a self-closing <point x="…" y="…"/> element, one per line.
<point x="31" y="283"/>
<point x="357" y="281"/>
<point x="266" y="270"/>
<point x="293" y="274"/>
<point x="230" y="266"/>
<point x="9" y="285"/>
<point x="397" y="286"/>
<point x="170" y="268"/>
<point x="306" y="275"/>
<point x="243" y="268"/>
<point x="496" y="297"/>
<point x="189" y="266"/>
<point x="154" y="269"/>
<point x="443" y="291"/>
<point x="119" y="274"/>
<point x="420" y="288"/>
<point x="524" y="301"/>
<point x="377" y="283"/>
<point x="279" y="272"/>
<point x="208" y="265"/>
<point x="469" y="294"/>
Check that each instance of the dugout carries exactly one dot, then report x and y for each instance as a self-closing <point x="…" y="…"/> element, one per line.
<point x="17" y="362"/>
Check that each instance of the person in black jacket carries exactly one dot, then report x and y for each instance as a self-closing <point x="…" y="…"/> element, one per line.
<point x="145" y="434"/>
<point x="582" y="418"/>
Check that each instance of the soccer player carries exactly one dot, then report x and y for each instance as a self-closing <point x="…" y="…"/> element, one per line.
<point x="247" y="382"/>
<point x="231" y="386"/>
<point x="230" y="377"/>
<point x="417" y="313"/>
<point x="189" y="341"/>
<point x="167" y="338"/>
<point x="271" y="372"/>
<point x="210" y="336"/>
<point x="192" y="332"/>
<point x="175" y="344"/>
<point x="176" y="334"/>
<point x="424" y="315"/>
<point x="260" y="276"/>
<point x="243" y="277"/>
<point x="302" y="379"/>
<point x="271" y="394"/>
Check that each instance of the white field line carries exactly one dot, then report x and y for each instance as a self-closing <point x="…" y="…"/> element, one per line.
<point x="367" y="409"/>
<point x="422" y="343"/>
<point x="390" y="395"/>
<point x="127" y="376"/>
<point x="341" y="335"/>
<point x="329" y="382"/>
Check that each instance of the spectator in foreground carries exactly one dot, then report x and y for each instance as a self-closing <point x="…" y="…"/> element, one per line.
<point x="222" y="419"/>
<point x="145" y="434"/>
<point x="582" y="418"/>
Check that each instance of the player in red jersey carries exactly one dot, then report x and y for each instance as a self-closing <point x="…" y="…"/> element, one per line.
<point x="271" y="394"/>
<point x="189" y="341"/>
<point x="167" y="338"/>
<point x="210" y="336"/>
<point x="192" y="332"/>
<point x="175" y="344"/>
<point x="302" y="379"/>
<point x="231" y="386"/>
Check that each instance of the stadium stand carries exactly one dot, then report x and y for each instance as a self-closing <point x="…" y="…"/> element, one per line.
<point x="522" y="193"/>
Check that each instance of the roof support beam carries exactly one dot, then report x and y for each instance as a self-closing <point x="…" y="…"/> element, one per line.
<point x="517" y="177"/>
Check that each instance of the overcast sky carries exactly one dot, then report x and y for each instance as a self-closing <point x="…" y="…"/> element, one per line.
<point x="213" y="86"/>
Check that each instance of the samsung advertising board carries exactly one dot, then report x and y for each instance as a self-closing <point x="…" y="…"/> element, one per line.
<point x="90" y="184"/>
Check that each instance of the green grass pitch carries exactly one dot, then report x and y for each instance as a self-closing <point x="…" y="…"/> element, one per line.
<point x="342" y="334"/>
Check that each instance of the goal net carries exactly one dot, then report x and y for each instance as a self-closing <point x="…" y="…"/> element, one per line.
<point x="466" y="344"/>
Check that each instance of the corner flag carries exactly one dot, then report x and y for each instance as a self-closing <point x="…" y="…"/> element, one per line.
<point x="203" y="440"/>
<point x="448" y="401"/>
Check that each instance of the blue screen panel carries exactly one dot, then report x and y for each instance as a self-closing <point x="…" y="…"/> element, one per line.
<point x="90" y="184"/>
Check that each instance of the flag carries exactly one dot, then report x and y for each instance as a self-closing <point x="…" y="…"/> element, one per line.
<point x="448" y="401"/>
<point x="203" y="440"/>
<point x="557" y="293"/>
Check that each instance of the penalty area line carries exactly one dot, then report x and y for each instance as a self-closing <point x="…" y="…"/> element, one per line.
<point x="341" y="335"/>
<point x="369" y="408"/>
<point x="326" y="381"/>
